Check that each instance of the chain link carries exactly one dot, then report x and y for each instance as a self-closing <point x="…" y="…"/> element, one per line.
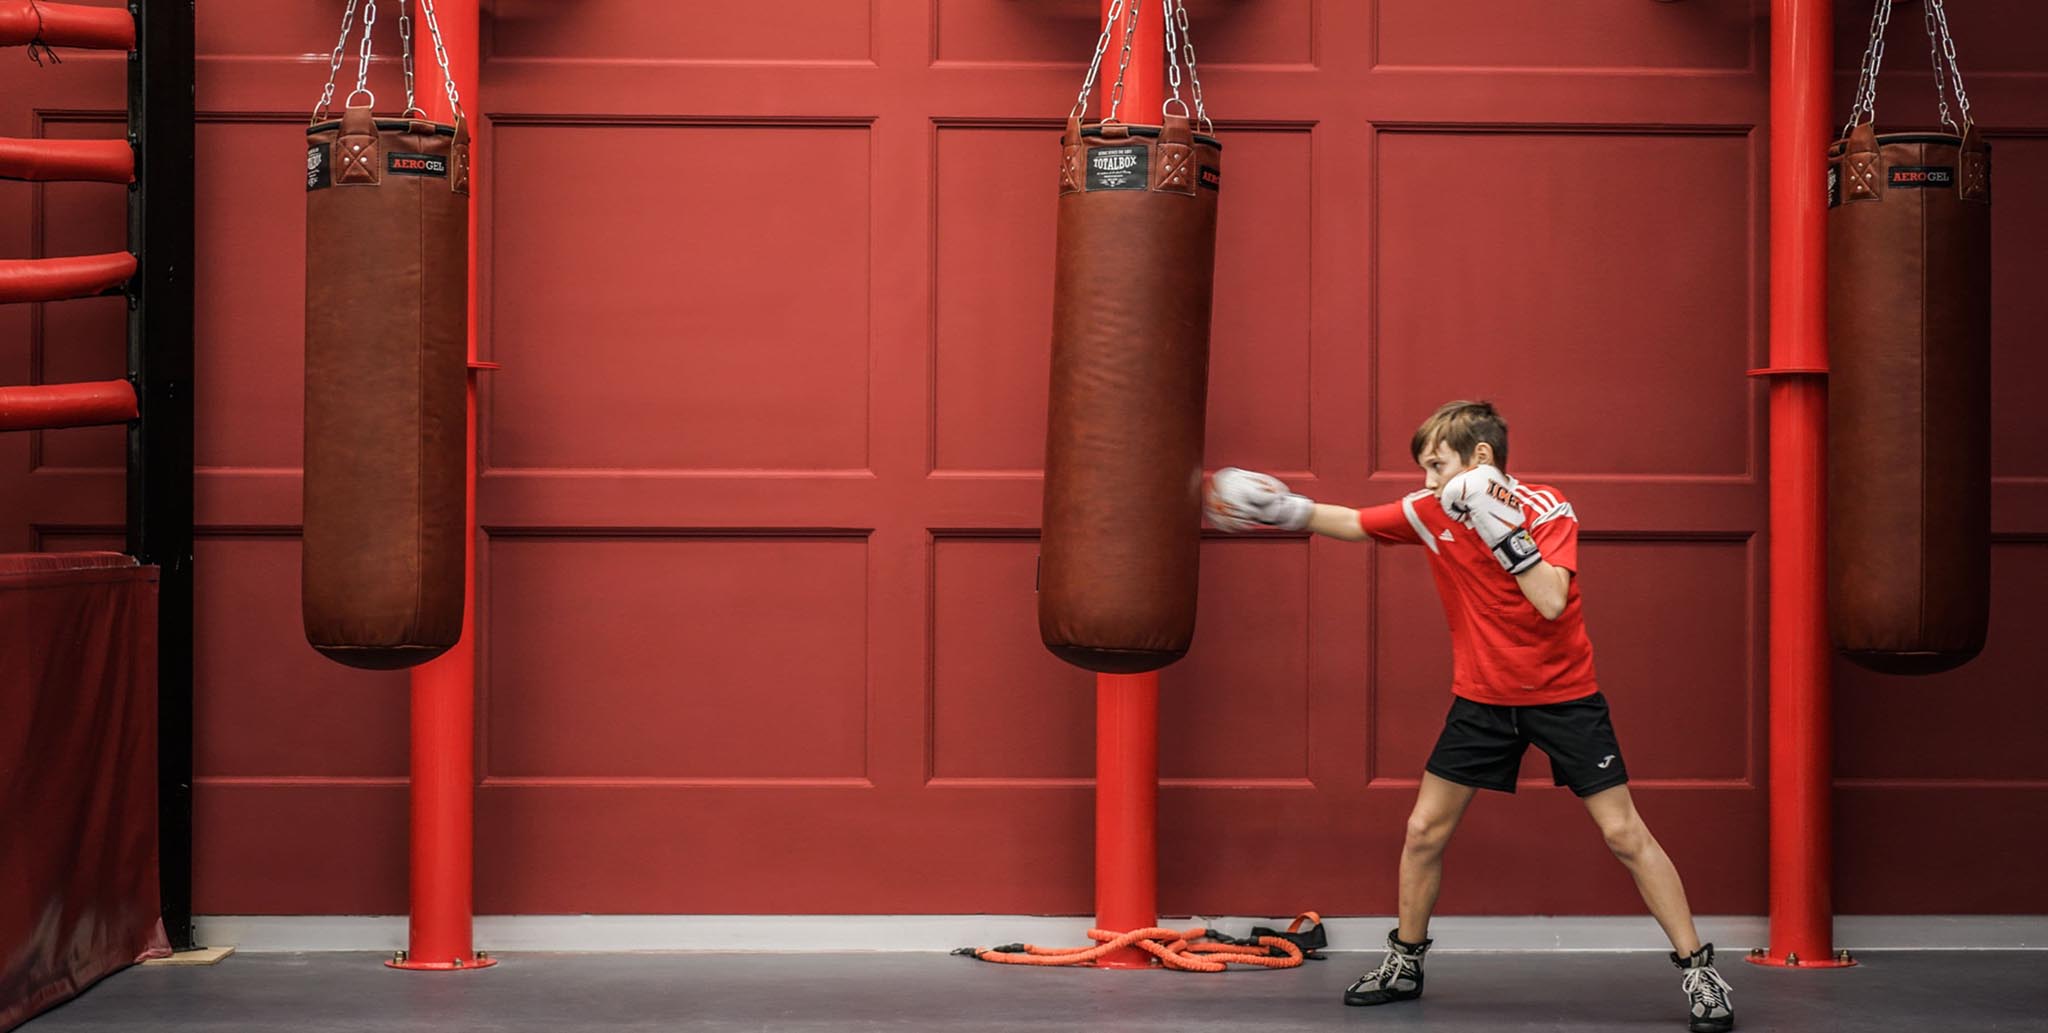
<point x="348" y="19"/>
<point x="405" y="47"/>
<point x="1865" y="107"/>
<point x="1934" y="52"/>
<point x="441" y="55"/>
<point x="1180" y="47"/>
<point x="1948" y="50"/>
<point x="363" y="65"/>
<point x="1187" y="40"/>
<point x="1172" y="62"/>
<point x="1942" y="48"/>
<point x="363" y="62"/>
<point x="1116" y="95"/>
<point x="1116" y="13"/>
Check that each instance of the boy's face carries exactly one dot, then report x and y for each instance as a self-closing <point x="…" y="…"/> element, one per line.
<point x="1439" y="464"/>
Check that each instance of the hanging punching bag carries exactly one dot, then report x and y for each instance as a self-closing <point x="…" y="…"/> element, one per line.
<point x="387" y="239"/>
<point x="1130" y="372"/>
<point x="1909" y="387"/>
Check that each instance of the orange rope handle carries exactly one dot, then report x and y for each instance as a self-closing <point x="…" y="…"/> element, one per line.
<point x="1238" y="954"/>
<point x="1107" y="942"/>
<point x="1175" y="949"/>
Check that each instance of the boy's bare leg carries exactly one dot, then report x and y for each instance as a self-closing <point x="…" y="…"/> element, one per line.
<point x="1656" y="877"/>
<point x="1439" y="804"/>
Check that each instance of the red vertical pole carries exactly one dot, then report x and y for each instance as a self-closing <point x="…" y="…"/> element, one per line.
<point x="1801" y="734"/>
<point x="444" y="690"/>
<point x="1126" y="809"/>
<point x="1127" y="705"/>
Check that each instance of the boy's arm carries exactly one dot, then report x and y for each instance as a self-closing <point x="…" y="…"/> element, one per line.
<point x="1392" y="522"/>
<point x="1547" y="588"/>
<point x="1340" y="522"/>
<point x="1548" y="584"/>
<point x="1240" y="500"/>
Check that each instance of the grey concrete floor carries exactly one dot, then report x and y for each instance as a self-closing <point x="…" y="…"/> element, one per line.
<point x="1934" y="992"/>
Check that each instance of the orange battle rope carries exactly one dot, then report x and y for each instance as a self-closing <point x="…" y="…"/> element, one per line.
<point x="1188" y="950"/>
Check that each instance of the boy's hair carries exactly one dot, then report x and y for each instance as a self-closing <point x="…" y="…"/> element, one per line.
<point x="1463" y="425"/>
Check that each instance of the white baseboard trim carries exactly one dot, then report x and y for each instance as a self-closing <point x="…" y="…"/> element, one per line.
<point x="1734" y="934"/>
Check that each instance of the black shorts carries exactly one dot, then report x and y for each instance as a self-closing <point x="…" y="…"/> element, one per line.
<point x="1482" y="744"/>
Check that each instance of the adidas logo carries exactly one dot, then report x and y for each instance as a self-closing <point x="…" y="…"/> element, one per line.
<point x="1446" y="535"/>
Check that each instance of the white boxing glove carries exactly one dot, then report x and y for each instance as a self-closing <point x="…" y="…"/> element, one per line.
<point x="1239" y="500"/>
<point x="1483" y="499"/>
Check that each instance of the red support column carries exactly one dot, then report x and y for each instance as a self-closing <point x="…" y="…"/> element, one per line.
<point x="1801" y="733"/>
<point x="1127" y="705"/>
<point x="1126" y="809"/>
<point x="444" y="690"/>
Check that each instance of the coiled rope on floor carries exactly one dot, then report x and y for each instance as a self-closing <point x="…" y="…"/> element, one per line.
<point x="1183" y="950"/>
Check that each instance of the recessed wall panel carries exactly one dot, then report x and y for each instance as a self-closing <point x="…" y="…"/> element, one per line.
<point x="677" y="658"/>
<point x="1693" y="35"/>
<point x="1595" y="286"/>
<point x="696" y="298"/>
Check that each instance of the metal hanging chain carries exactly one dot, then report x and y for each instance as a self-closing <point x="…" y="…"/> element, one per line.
<point x="1944" y="47"/>
<point x="363" y="65"/>
<point x="1116" y="13"/>
<point x="1187" y="40"/>
<point x="1116" y="95"/>
<point x="441" y="55"/>
<point x="1865" y="107"/>
<point x="1934" y="51"/>
<point x="348" y="19"/>
<point x="1947" y="71"/>
<point x="1172" y="63"/>
<point x="405" y="46"/>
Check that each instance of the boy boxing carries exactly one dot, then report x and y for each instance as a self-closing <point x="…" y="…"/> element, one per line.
<point x="1504" y="555"/>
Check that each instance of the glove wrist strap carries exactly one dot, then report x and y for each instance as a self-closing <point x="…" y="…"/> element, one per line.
<point x="1517" y="552"/>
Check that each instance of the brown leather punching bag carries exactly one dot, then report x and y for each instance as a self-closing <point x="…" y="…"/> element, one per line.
<point x="1130" y="374"/>
<point x="387" y="264"/>
<point x="1909" y="396"/>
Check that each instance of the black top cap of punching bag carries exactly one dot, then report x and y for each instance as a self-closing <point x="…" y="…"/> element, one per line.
<point x="1095" y="129"/>
<point x="389" y="125"/>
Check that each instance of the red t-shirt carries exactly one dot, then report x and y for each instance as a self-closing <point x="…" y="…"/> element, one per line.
<point x="1502" y="650"/>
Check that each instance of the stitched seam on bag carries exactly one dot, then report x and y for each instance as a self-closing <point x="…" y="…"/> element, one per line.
<point x="1920" y="618"/>
<point x="419" y="578"/>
